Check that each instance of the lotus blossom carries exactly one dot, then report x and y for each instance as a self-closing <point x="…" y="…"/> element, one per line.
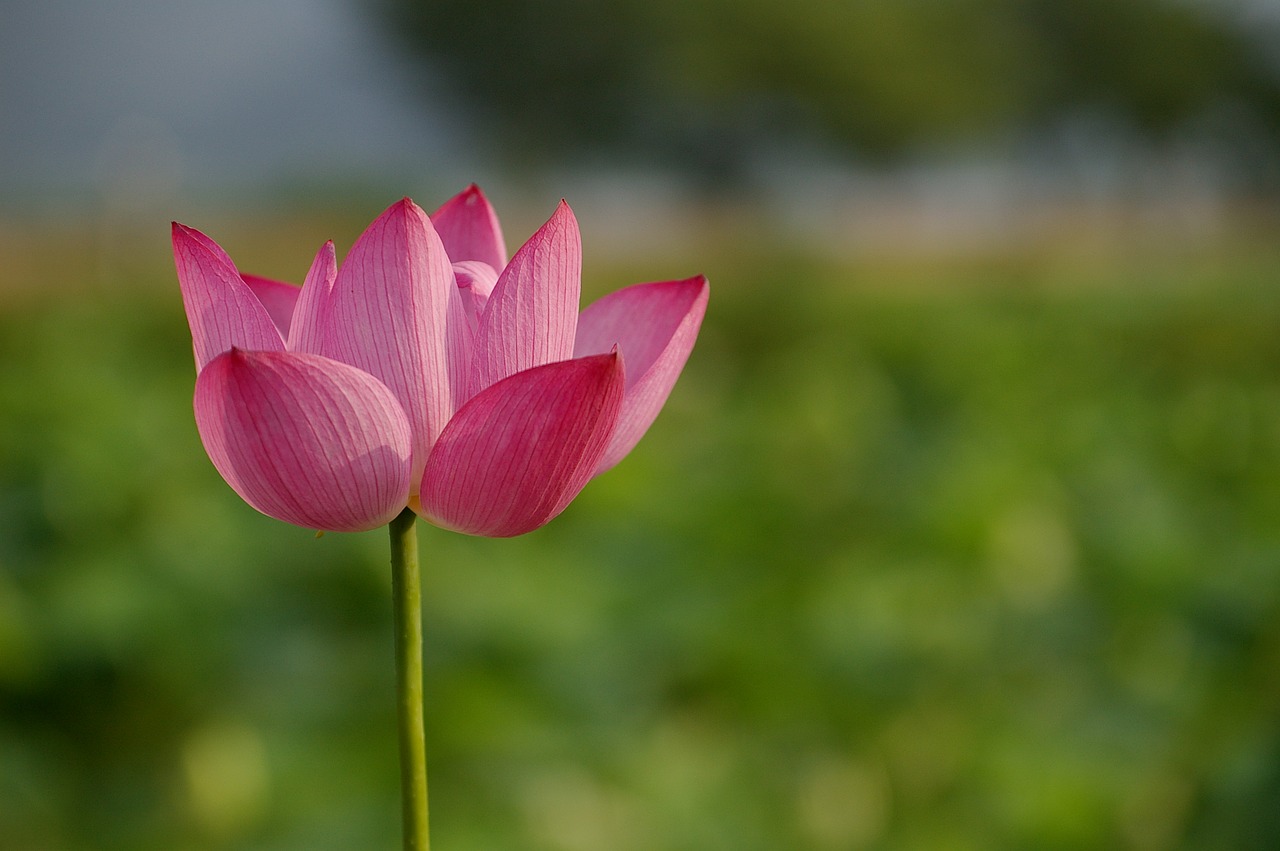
<point x="429" y="371"/>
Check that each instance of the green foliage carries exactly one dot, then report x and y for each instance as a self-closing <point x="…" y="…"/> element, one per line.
<point x="989" y="566"/>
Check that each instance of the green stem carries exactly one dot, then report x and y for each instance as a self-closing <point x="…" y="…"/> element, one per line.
<point x="406" y="598"/>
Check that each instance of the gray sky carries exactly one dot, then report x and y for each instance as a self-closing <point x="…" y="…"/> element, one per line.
<point x="150" y="95"/>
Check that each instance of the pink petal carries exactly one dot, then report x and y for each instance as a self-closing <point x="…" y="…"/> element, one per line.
<point x="476" y="281"/>
<point x="277" y="297"/>
<point x="208" y="243"/>
<point x="532" y="315"/>
<point x="655" y="325"/>
<point x="305" y="439"/>
<point x="519" y="452"/>
<point x="469" y="229"/>
<point x="221" y="308"/>
<point x="396" y="313"/>
<point x="307" y="331"/>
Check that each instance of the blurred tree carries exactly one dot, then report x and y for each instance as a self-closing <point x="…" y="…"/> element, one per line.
<point x="704" y="83"/>
<point x="1159" y="62"/>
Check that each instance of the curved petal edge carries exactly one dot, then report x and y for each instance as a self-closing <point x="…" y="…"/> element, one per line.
<point x="305" y="439"/>
<point x="469" y="229"/>
<point x="279" y="298"/>
<point x="395" y="312"/>
<point x="656" y="326"/>
<point x="306" y="331"/>
<point x="531" y="316"/>
<point x="222" y="310"/>
<point x="517" y="454"/>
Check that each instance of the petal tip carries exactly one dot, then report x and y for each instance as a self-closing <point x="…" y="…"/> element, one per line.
<point x="563" y="220"/>
<point x="405" y="207"/>
<point x="182" y="234"/>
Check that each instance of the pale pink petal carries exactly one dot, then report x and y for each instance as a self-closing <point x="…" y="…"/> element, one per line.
<point x="396" y="313"/>
<point x="305" y="439"/>
<point x="221" y="308"/>
<point x="476" y="281"/>
<point x="277" y="297"/>
<point x="519" y="452"/>
<point x="655" y="325"/>
<point x="532" y="314"/>
<point x="469" y="228"/>
<point x="307" y="331"/>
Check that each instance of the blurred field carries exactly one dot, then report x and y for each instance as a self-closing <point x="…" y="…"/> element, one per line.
<point x="976" y="551"/>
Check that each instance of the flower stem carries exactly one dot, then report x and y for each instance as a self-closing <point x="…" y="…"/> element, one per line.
<point x="406" y="599"/>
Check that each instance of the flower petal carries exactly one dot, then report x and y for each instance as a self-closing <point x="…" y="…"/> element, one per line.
<point x="519" y="452"/>
<point x="469" y="229"/>
<point x="277" y="297"/>
<point x="396" y="313"/>
<point x="476" y="281"/>
<point x="306" y="334"/>
<point x="655" y="325"/>
<point x="305" y="439"/>
<point x="221" y="308"/>
<point x="532" y="314"/>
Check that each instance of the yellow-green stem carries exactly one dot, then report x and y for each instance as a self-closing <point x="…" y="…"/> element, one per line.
<point x="406" y="599"/>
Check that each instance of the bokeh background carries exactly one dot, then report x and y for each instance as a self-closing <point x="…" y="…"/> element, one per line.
<point x="960" y="531"/>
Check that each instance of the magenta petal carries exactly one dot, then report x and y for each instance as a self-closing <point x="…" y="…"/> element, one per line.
<point x="277" y="297"/>
<point x="519" y="452"/>
<point x="221" y="308"/>
<point x="655" y="325"/>
<point x="469" y="229"/>
<point x="305" y="439"/>
<point x="307" y="331"/>
<point x="208" y="243"/>
<point x="396" y="313"/>
<point x="532" y="314"/>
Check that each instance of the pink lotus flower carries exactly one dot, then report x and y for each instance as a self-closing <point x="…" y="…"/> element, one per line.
<point x="427" y="371"/>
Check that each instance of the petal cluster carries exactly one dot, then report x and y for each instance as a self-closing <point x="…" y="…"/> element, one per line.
<point x="427" y="370"/>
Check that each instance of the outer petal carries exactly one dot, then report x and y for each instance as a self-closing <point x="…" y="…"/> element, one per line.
<point x="278" y="297"/>
<point x="305" y="439"/>
<point x="396" y="313"/>
<point x="518" y="453"/>
<point x="221" y="308"/>
<point x="469" y="229"/>
<point x="306" y="334"/>
<point x="655" y="325"/>
<point x="532" y="314"/>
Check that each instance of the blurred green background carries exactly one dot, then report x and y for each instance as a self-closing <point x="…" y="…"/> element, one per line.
<point x="960" y="531"/>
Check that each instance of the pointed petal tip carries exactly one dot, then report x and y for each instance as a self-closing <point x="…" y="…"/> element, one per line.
<point x="657" y="325"/>
<point x="703" y="287"/>
<point x="469" y="196"/>
<point x="562" y="220"/>
<point x="181" y="232"/>
<point x="531" y="316"/>
<point x="404" y="207"/>
<point x="469" y="228"/>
